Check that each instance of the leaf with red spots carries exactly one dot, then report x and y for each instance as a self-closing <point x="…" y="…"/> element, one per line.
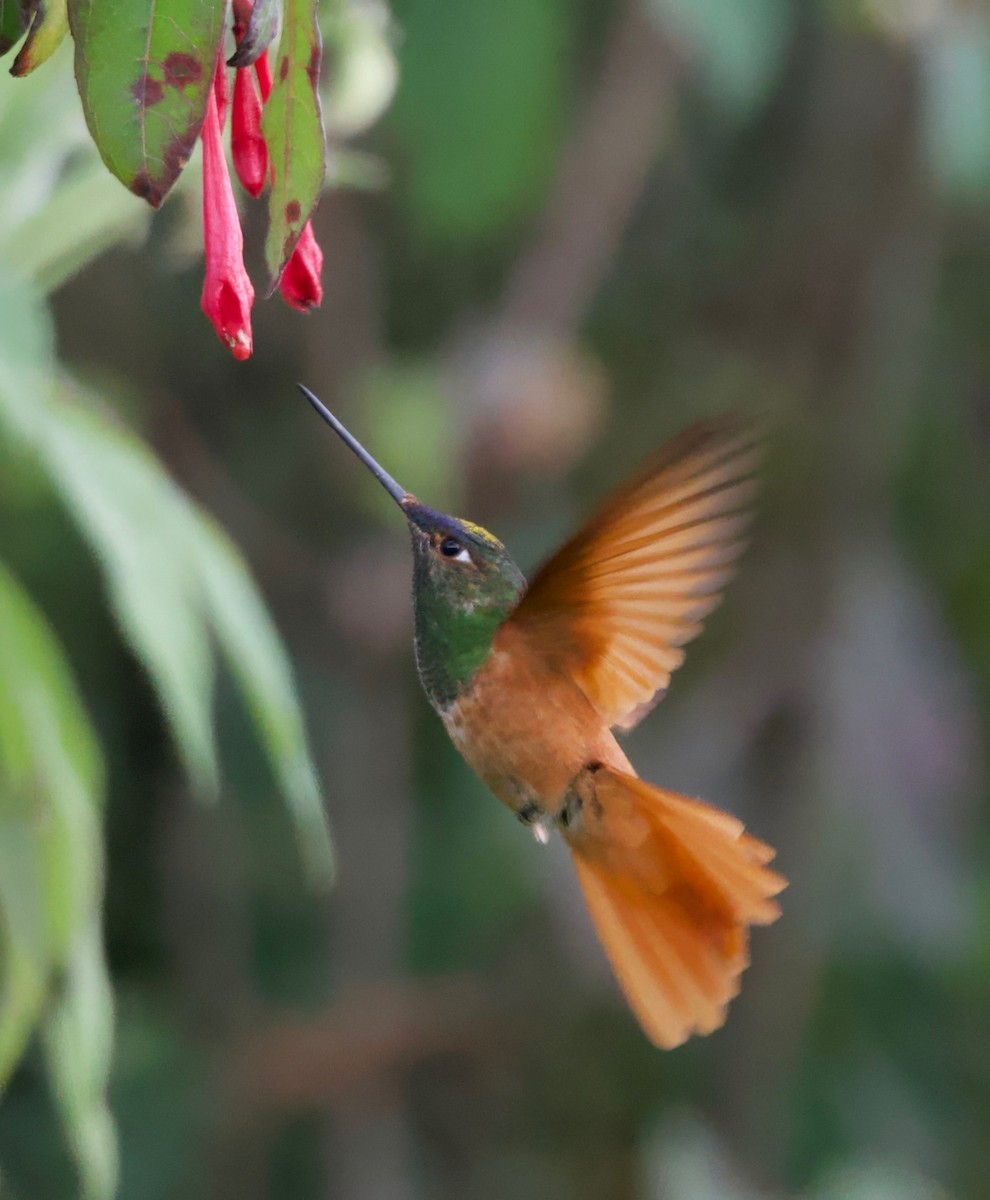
<point x="144" y="68"/>
<point x="293" y="129"/>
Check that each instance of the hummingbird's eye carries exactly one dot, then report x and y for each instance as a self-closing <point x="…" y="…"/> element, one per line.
<point x="450" y="547"/>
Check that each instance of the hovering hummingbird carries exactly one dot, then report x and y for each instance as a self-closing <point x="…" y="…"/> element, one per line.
<point x="531" y="680"/>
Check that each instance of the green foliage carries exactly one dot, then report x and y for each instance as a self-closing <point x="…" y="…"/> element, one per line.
<point x="804" y="233"/>
<point x="51" y="881"/>
<point x="78" y="1038"/>
<point x="47" y="234"/>
<point x="173" y="578"/>
<point x="145" y="68"/>
<point x="293" y="129"/>
<point x="255" y="656"/>
<point x="180" y="592"/>
<point x="12" y="24"/>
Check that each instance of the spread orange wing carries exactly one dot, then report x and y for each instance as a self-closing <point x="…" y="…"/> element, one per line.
<point x="618" y="601"/>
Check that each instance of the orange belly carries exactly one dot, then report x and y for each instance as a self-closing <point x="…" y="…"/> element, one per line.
<point x="527" y="731"/>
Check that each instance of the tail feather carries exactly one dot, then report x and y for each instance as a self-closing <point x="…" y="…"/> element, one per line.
<point x="672" y="904"/>
<point x="661" y="982"/>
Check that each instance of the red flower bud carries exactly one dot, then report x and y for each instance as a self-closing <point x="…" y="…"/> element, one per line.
<point x="264" y="73"/>
<point x="300" y="282"/>
<point x="227" y="291"/>
<point x="247" y="145"/>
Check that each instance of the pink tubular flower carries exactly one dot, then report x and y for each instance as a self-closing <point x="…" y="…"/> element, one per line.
<point x="227" y="291"/>
<point x="300" y="283"/>
<point x="220" y="91"/>
<point x="247" y="146"/>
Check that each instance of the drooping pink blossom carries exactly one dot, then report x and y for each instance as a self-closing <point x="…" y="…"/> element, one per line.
<point x="227" y="292"/>
<point x="300" y="283"/>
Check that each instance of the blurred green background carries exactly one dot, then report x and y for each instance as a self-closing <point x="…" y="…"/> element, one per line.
<point x="574" y="227"/>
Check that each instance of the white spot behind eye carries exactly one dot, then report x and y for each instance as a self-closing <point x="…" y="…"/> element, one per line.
<point x="462" y="556"/>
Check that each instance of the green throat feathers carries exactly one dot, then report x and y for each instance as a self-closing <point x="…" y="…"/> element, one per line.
<point x="464" y="582"/>
<point x="459" y="601"/>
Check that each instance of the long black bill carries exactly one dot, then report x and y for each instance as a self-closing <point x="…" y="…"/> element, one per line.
<point x="388" y="483"/>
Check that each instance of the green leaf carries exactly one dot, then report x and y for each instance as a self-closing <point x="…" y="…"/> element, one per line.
<point x="58" y="206"/>
<point x="259" y="663"/>
<point x="78" y="1046"/>
<point x="144" y="69"/>
<point x="51" y="787"/>
<point x="49" y="26"/>
<point x="262" y="26"/>
<point x="123" y="503"/>
<point x="86" y="215"/>
<point x="176" y="583"/>
<point x="134" y="518"/>
<point x="293" y="129"/>
<point x="27" y="352"/>
<point x="13" y="23"/>
<point x="23" y="942"/>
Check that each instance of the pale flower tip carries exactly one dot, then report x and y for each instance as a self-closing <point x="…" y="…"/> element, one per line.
<point x="241" y="346"/>
<point x="228" y="307"/>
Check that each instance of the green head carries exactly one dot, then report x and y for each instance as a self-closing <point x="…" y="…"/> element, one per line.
<point x="464" y="583"/>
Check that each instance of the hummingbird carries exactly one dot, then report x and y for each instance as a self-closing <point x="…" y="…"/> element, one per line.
<point x="532" y="680"/>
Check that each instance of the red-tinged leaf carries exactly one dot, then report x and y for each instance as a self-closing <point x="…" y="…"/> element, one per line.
<point x="49" y="25"/>
<point x="293" y="129"/>
<point x="144" y="68"/>
<point x="14" y="20"/>
<point x="261" y="23"/>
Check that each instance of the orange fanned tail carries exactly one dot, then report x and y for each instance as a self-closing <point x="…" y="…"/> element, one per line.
<point x="672" y="885"/>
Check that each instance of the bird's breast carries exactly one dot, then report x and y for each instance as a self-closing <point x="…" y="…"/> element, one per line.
<point x="528" y="731"/>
